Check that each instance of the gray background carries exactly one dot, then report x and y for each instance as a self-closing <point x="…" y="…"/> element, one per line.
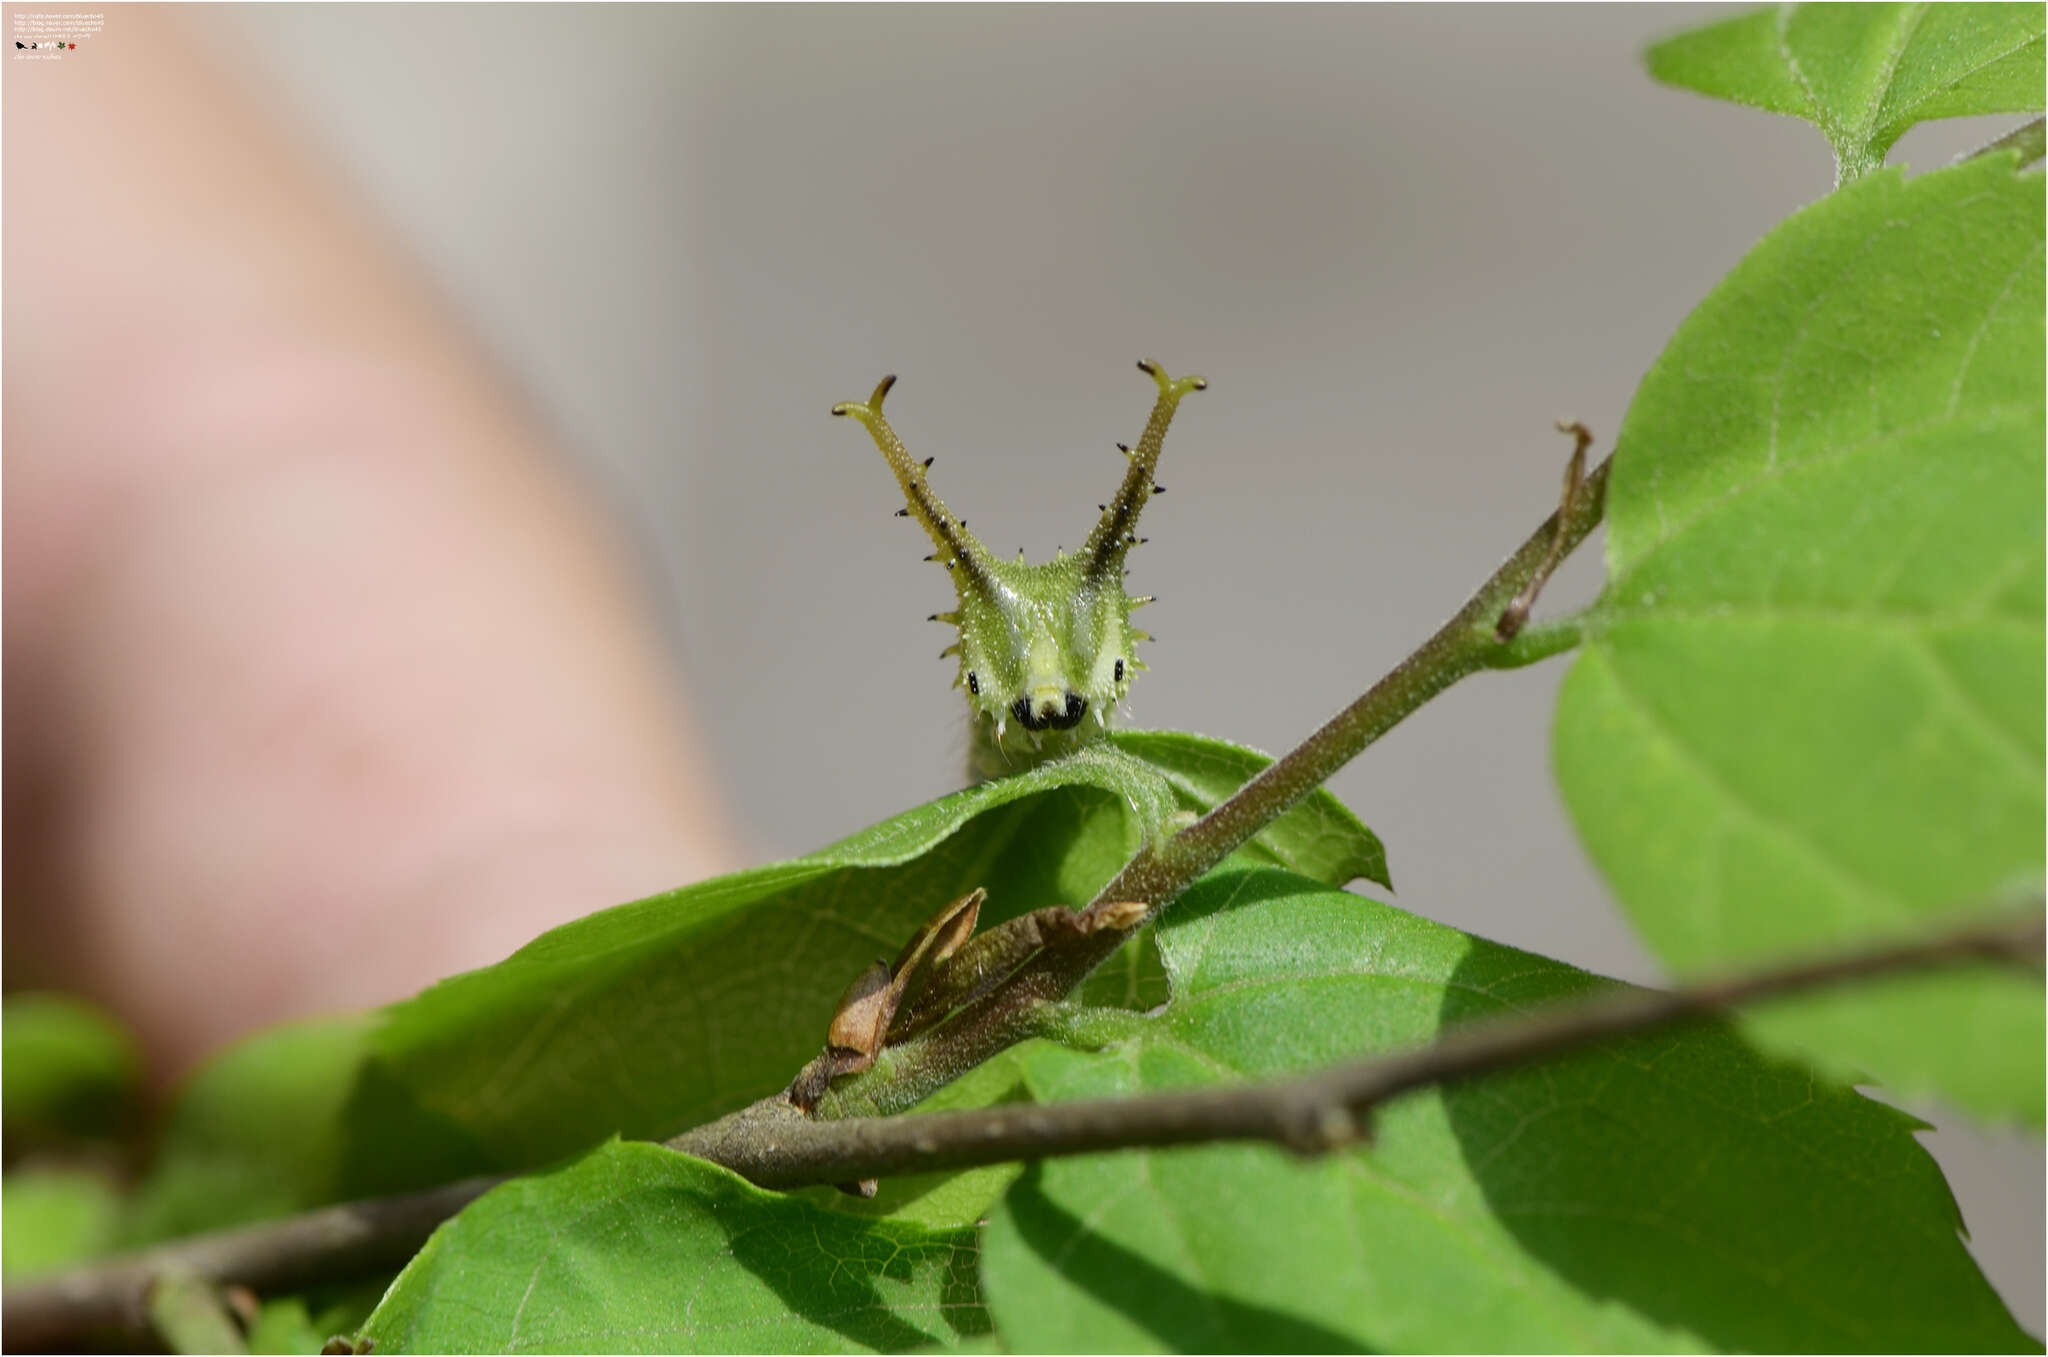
<point x="1398" y="241"/>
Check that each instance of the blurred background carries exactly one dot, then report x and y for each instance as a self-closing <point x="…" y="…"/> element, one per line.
<point x="1399" y="241"/>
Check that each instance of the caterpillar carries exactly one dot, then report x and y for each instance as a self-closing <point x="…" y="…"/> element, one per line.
<point x="1046" y="650"/>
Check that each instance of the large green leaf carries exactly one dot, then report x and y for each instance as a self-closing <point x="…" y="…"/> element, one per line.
<point x="260" y="1132"/>
<point x="634" y="1249"/>
<point x="651" y="1017"/>
<point x="1677" y="1191"/>
<point x="1809" y="713"/>
<point x="1864" y="74"/>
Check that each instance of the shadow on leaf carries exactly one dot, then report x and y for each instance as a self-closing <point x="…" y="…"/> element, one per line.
<point x="785" y="1256"/>
<point x="1716" y="1190"/>
<point x="1183" y="1318"/>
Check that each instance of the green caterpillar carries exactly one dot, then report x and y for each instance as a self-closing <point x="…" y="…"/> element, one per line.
<point x="1046" y="651"/>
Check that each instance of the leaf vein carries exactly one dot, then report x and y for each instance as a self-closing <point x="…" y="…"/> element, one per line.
<point x="1731" y="796"/>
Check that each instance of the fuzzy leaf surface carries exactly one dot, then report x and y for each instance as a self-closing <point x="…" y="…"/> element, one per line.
<point x="651" y="1017"/>
<point x="631" y="1248"/>
<point x="1865" y="74"/>
<point x="1809" y="712"/>
<point x="1677" y="1191"/>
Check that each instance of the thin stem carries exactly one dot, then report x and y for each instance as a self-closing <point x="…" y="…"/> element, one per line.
<point x="1516" y="614"/>
<point x="1462" y="646"/>
<point x="776" y="1146"/>
<point x="1540" y="642"/>
<point x="2029" y="139"/>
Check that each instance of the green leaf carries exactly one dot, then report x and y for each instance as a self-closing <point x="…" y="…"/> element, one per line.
<point x="955" y="1197"/>
<point x="1864" y="74"/>
<point x="70" y="1071"/>
<point x="260" y="1131"/>
<point x="191" y="1315"/>
<point x="1134" y="978"/>
<point x="1809" y="712"/>
<point x="55" y="1217"/>
<point x="1320" y="838"/>
<point x="634" y="1249"/>
<point x="285" y="1326"/>
<point x="304" y="1323"/>
<point x="655" y="1016"/>
<point x="1676" y="1191"/>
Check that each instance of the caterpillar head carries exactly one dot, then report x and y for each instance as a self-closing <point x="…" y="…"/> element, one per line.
<point x="1047" y="651"/>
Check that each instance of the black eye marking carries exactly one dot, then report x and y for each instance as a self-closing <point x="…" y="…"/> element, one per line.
<point x="1119" y="671"/>
<point x="974" y="684"/>
<point x="1021" y="709"/>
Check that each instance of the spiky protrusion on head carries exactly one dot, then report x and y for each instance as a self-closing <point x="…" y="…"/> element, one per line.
<point x="957" y="548"/>
<point x="1115" y="534"/>
<point x="1046" y="651"/>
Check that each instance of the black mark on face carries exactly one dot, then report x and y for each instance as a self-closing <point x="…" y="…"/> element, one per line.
<point x="1050" y="718"/>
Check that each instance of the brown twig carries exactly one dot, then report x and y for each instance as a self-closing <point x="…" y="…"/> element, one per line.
<point x="776" y="1146"/>
<point x="331" y="1244"/>
<point x="1312" y="1113"/>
